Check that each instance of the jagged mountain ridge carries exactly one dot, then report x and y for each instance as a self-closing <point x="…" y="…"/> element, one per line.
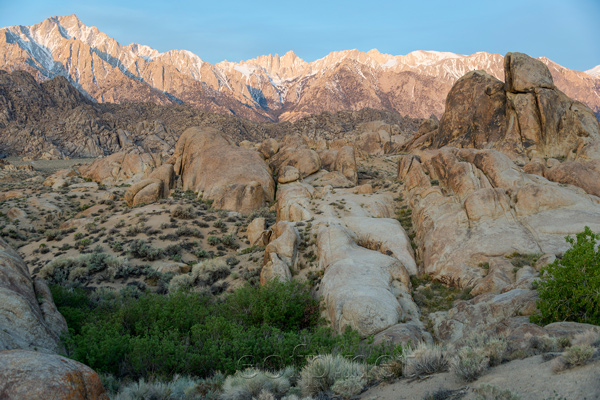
<point x="270" y="87"/>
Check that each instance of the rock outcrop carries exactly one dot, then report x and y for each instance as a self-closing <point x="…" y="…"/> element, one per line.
<point x="234" y="178"/>
<point x="121" y="167"/>
<point x="294" y="151"/>
<point x="156" y="186"/>
<point x="28" y="317"/>
<point x="526" y="117"/>
<point x="37" y="376"/>
<point x="470" y="206"/>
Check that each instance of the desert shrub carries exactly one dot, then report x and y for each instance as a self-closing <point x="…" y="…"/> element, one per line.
<point x="546" y="344"/>
<point x="491" y="392"/>
<point x="213" y="240"/>
<point x="220" y="224"/>
<point x="579" y="355"/>
<point x="204" y="274"/>
<point x="79" y="269"/>
<point x="349" y="387"/>
<point x="186" y="231"/>
<point x="492" y="347"/>
<point x="135" y="335"/>
<point x="590" y="337"/>
<point x="424" y="359"/>
<point x="569" y="288"/>
<point x="229" y="241"/>
<point x="181" y="282"/>
<point x="572" y="357"/>
<point x="140" y="249"/>
<point x="179" y="388"/>
<point x="183" y="213"/>
<point x="210" y="271"/>
<point x="232" y="261"/>
<point x="321" y="373"/>
<point x="469" y="363"/>
<point x="248" y="384"/>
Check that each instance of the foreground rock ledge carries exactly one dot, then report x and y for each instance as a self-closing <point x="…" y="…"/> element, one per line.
<point x="32" y="375"/>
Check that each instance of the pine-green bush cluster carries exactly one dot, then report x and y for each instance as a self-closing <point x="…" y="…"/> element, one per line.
<point x="189" y="333"/>
<point x="569" y="288"/>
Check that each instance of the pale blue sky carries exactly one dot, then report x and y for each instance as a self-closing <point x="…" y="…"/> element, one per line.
<point x="567" y="32"/>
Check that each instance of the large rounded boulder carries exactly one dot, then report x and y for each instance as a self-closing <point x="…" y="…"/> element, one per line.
<point x="234" y="178"/>
<point x="32" y="375"/>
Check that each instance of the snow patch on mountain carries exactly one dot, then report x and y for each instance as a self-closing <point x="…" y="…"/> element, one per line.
<point x="595" y="72"/>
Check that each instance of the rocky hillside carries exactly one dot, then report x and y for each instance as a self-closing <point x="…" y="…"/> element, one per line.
<point x="51" y="120"/>
<point x="267" y="88"/>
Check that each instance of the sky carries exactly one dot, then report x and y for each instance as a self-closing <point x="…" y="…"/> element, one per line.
<point x="567" y="32"/>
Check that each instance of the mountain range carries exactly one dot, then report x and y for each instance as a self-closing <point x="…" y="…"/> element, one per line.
<point x="267" y="88"/>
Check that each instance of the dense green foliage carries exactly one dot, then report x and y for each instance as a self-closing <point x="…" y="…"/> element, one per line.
<point x="569" y="289"/>
<point x="267" y="327"/>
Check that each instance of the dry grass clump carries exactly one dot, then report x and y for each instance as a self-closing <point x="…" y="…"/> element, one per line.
<point x="252" y="383"/>
<point x="493" y="347"/>
<point x="469" y="363"/>
<point x="179" y="388"/>
<point x="547" y="344"/>
<point x="424" y="359"/>
<point x="205" y="273"/>
<point x="585" y="346"/>
<point x="492" y="392"/>
<point x="332" y="373"/>
<point x="183" y="213"/>
<point x="478" y="353"/>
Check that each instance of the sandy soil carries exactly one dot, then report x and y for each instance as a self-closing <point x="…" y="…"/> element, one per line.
<point x="531" y="379"/>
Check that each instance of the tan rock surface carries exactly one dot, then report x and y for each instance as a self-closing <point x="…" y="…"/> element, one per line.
<point x="122" y="167"/>
<point x="527" y="117"/>
<point x="485" y="207"/>
<point x="234" y="178"/>
<point x="38" y="376"/>
<point x="28" y="316"/>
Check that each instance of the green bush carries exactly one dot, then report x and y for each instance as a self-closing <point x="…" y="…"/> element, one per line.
<point x="287" y="306"/>
<point x="569" y="289"/>
<point x="189" y="333"/>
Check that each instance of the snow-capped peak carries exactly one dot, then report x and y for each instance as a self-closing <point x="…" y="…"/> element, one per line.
<point x="595" y="72"/>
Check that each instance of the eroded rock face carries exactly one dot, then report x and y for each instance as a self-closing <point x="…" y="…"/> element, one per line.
<point x="585" y="175"/>
<point x="294" y="151"/>
<point x="345" y="162"/>
<point x="28" y="317"/>
<point x="157" y="186"/>
<point x="121" y="167"/>
<point x="471" y="206"/>
<point x="234" y="178"/>
<point x="525" y="117"/>
<point x="357" y="285"/>
<point x="33" y="375"/>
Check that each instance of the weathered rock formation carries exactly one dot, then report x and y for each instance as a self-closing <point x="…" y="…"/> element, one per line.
<point x="121" y="167"/>
<point x="232" y="177"/>
<point x="37" y="376"/>
<point x="28" y="317"/>
<point x="157" y="186"/>
<point x="526" y="117"/>
<point x="470" y="206"/>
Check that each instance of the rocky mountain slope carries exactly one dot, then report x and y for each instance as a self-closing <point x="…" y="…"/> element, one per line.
<point x="53" y="120"/>
<point x="266" y="88"/>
